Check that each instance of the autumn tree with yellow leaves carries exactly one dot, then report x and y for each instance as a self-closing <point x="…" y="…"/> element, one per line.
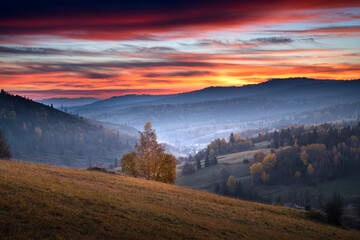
<point x="262" y="169"/>
<point x="149" y="159"/>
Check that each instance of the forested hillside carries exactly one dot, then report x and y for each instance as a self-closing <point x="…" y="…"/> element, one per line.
<point x="39" y="133"/>
<point x="311" y="153"/>
<point x="301" y="164"/>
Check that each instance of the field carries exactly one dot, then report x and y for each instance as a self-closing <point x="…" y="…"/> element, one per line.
<point x="230" y="164"/>
<point x="38" y="202"/>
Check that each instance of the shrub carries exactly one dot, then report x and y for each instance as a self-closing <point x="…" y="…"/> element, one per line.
<point x="100" y="169"/>
<point x="188" y="168"/>
<point x="317" y="215"/>
<point x="334" y="209"/>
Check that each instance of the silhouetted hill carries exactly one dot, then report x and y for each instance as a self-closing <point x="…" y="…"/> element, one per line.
<point x="316" y="89"/>
<point x="39" y="133"/>
<point x="290" y="88"/>
<point x="115" y="103"/>
<point x="68" y="102"/>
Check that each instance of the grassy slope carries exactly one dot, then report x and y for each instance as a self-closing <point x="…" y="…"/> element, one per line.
<point x="38" y="201"/>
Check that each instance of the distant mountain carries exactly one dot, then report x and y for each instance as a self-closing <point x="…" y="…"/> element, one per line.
<point x="42" y="134"/>
<point x="200" y="116"/>
<point x="115" y="103"/>
<point x="68" y="102"/>
<point x="291" y="88"/>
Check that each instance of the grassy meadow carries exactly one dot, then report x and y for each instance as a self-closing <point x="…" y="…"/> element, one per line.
<point x="42" y="202"/>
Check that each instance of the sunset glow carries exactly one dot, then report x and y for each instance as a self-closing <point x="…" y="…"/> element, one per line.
<point x="103" y="49"/>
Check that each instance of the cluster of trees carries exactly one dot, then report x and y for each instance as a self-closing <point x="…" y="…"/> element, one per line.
<point x="231" y="187"/>
<point x="320" y="153"/>
<point x="236" y="189"/>
<point x="235" y="144"/>
<point x="214" y="149"/>
<point x="149" y="159"/>
<point x="36" y="132"/>
<point x="284" y="138"/>
<point x="4" y="148"/>
<point x="264" y="166"/>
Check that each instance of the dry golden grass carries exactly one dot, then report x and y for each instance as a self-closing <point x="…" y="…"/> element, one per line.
<point x="40" y="202"/>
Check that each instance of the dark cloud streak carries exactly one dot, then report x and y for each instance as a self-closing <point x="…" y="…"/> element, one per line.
<point x="110" y="20"/>
<point x="178" y="74"/>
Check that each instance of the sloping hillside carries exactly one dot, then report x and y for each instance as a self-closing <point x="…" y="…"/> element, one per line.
<point x="39" y="133"/>
<point x="40" y="202"/>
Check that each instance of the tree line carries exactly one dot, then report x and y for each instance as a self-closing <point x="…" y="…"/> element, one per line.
<point x="313" y="155"/>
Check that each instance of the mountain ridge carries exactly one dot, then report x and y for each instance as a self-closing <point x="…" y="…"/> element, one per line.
<point x="209" y="93"/>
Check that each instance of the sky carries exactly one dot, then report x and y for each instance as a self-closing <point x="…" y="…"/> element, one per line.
<point x="109" y="48"/>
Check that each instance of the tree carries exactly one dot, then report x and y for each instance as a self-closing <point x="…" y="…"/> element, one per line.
<point x="149" y="159"/>
<point x="265" y="177"/>
<point x="304" y="158"/>
<point x="4" y="148"/>
<point x="276" y="140"/>
<point x="166" y="171"/>
<point x="188" y="168"/>
<point x="310" y="169"/>
<point x="198" y="163"/>
<point x="269" y="161"/>
<point x="334" y="209"/>
<point x="232" y="138"/>
<point x="207" y="161"/>
<point x="148" y="152"/>
<point x="215" y="161"/>
<point x="231" y="183"/>
<point x="256" y="170"/>
<point x="128" y="164"/>
<point x="259" y="156"/>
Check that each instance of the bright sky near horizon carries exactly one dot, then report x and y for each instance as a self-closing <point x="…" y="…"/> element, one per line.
<point x="106" y="48"/>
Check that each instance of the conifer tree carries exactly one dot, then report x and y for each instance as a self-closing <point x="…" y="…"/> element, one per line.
<point x="198" y="163"/>
<point x="215" y="161"/>
<point x="207" y="161"/>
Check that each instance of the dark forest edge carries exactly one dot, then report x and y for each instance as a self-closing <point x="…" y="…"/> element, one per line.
<point x="42" y="134"/>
